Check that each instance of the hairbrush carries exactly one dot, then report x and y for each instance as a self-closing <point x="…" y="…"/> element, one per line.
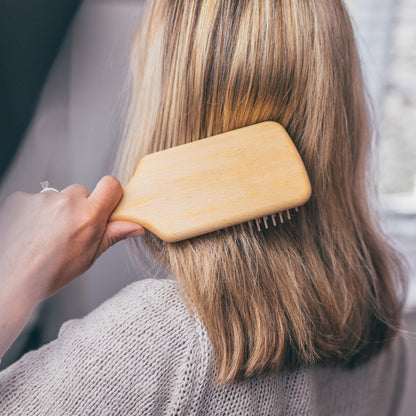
<point x="253" y="174"/>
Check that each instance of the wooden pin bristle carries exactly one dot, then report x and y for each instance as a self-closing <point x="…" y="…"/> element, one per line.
<point x="250" y="225"/>
<point x="271" y="220"/>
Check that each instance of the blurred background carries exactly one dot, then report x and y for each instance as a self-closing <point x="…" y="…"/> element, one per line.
<point x="63" y="89"/>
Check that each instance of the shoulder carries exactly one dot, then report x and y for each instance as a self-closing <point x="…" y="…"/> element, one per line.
<point x="142" y="343"/>
<point x="161" y="296"/>
<point x="140" y="352"/>
<point x="149" y="310"/>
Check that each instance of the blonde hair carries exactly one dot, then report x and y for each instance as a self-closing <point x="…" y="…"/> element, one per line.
<point x="324" y="287"/>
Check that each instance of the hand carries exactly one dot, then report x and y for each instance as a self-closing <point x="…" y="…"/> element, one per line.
<point x="48" y="239"/>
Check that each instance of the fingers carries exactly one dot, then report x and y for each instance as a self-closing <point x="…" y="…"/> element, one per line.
<point x="76" y="190"/>
<point x="106" y="194"/>
<point x="117" y="231"/>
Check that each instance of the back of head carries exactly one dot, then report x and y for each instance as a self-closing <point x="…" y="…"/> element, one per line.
<point x="322" y="288"/>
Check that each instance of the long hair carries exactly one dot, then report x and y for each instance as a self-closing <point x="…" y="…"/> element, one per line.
<point x="324" y="287"/>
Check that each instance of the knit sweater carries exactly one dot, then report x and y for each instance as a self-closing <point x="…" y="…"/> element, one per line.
<point x="142" y="353"/>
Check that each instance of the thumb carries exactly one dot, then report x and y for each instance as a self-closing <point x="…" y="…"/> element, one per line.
<point x="117" y="231"/>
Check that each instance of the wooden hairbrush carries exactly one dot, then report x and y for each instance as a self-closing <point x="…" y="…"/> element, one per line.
<point x="250" y="174"/>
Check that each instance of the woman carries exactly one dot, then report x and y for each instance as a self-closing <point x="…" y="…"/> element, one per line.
<point x="297" y="319"/>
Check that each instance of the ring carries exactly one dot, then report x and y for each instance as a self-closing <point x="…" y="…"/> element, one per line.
<point x="45" y="187"/>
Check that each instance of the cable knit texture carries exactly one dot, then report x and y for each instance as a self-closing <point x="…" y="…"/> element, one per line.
<point x="142" y="353"/>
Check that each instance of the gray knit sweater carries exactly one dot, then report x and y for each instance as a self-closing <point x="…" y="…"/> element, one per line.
<point x="142" y="353"/>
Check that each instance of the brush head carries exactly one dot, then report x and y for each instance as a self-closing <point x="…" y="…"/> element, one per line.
<point x="215" y="183"/>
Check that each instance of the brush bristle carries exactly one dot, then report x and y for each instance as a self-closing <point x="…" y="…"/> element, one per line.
<point x="264" y="223"/>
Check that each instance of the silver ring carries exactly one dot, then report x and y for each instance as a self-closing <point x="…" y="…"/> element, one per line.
<point x="45" y="187"/>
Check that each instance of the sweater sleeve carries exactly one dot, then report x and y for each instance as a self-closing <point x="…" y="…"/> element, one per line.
<point x="140" y="352"/>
